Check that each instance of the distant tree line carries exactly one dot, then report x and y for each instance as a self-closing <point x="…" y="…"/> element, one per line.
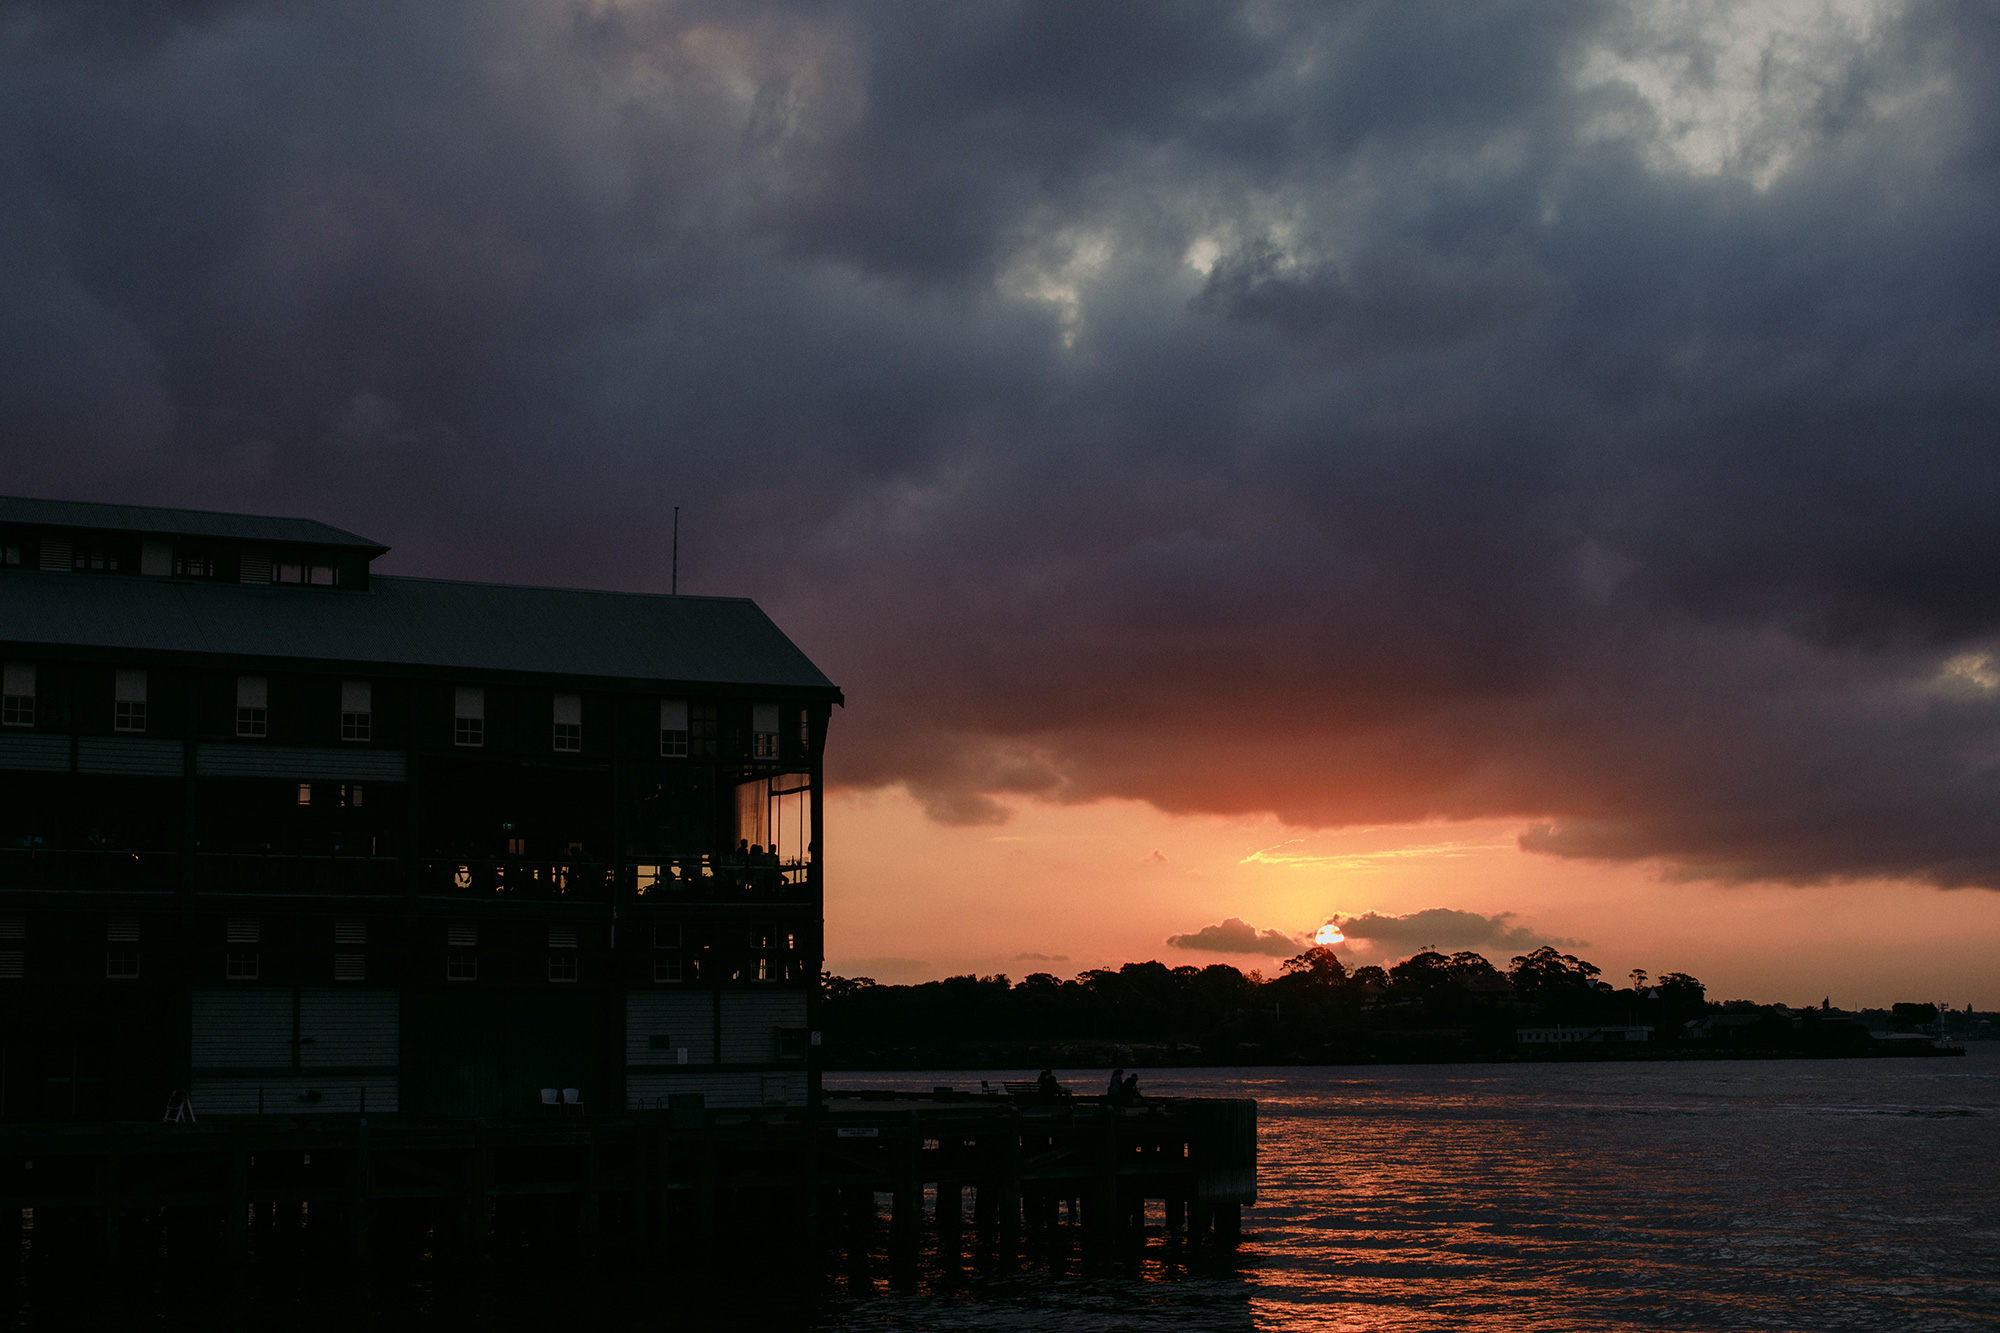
<point x="1431" y="1004"/>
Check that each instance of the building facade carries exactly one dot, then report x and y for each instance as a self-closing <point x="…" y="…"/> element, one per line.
<point x="280" y="834"/>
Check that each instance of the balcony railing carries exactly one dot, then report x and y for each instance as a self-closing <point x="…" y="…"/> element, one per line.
<point x="726" y="875"/>
<point x="580" y="881"/>
<point x="275" y="872"/>
<point x="62" y="868"/>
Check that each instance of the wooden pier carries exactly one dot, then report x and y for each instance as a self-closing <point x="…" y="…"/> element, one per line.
<point x="680" y="1181"/>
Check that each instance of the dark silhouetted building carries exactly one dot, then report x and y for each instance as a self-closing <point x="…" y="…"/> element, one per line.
<point x="280" y="833"/>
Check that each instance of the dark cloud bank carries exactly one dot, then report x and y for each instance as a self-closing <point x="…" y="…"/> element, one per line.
<point x="1447" y="928"/>
<point x="1365" y="412"/>
<point x="1235" y="935"/>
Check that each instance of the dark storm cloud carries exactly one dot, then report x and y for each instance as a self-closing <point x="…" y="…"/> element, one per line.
<point x="1447" y="928"/>
<point x="1235" y="935"/>
<point x="1372" y="412"/>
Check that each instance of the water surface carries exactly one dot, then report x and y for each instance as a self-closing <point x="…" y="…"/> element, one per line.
<point x="1822" y="1195"/>
<point x="1796" y="1194"/>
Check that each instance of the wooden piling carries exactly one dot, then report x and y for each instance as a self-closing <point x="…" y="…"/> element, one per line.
<point x="361" y="1202"/>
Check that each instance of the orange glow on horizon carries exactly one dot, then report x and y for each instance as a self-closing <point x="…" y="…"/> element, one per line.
<point x="1063" y="889"/>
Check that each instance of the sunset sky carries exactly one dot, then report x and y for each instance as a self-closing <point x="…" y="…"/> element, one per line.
<point x="1535" y="465"/>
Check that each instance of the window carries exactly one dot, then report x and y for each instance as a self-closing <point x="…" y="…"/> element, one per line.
<point x="129" y="701"/>
<point x="17" y="703"/>
<point x="461" y="966"/>
<point x="562" y="967"/>
<point x="517" y="846"/>
<point x="350" y="795"/>
<point x="703" y="726"/>
<point x="468" y="725"/>
<point x="96" y="559"/>
<point x="293" y="567"/>
<point x="805" y="730"/>
<point x="673" y="729"/>
<point x="569" y="722"/>
<point x="350" y="967"/>
<point x="357" y="708"/>
<point x="253" y="699"/>
<point x="194" y="564"/>
<point x="764" y="972"/>
<point x="10" y="555"/>
<point x="667" y="969"/>
<point x="239" y="965"/>
<point x="791" y="1043"/>
<point x="305" y="793"/>
<point x="350" y="932"/>
<point x="122" y="964"/>
<point x="764" y="731"/>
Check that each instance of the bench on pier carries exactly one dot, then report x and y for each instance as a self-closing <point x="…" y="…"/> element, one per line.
<point x="1028" y="1087"/>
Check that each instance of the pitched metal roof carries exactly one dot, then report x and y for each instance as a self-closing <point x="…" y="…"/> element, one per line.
<point x="180" y="522"/>
<point x="470" y="628"/>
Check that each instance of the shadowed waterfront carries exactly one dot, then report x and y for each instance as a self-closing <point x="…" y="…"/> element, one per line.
<point x="1774" y="1195"/>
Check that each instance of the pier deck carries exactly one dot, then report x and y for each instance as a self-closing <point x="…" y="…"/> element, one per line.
<point x="702" y="1176"/>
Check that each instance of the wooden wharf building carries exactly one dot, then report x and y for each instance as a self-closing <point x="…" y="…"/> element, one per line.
<point x="280" y="833"/>
<point x="322" y="888"/>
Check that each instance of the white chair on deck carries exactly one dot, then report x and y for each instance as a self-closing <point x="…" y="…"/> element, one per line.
<point x="550" y="1098"/>
<point x="572" y="1099"/>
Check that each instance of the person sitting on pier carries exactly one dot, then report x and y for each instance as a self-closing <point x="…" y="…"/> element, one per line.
<point x="1047" y="1086"/>
<point x="1130" y="1092"/>
<point x="1117" y="1086"/>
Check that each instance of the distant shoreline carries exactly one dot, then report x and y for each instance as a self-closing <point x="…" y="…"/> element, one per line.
<point x="1137" y="1056"/>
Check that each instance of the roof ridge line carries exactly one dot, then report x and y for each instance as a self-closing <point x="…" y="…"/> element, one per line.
<point x="560" y="587"/>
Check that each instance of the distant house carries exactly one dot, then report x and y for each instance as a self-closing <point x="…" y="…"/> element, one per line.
<point x="1565" y="1036"/>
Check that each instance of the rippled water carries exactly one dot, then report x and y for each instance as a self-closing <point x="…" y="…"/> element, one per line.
<point x="1854" y="1194"/>
<point x="1857" y="1194"/>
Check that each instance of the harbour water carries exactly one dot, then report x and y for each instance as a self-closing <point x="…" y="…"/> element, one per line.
<point x="1781" y="1195"/>
<point x="1796" y="1194"/>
